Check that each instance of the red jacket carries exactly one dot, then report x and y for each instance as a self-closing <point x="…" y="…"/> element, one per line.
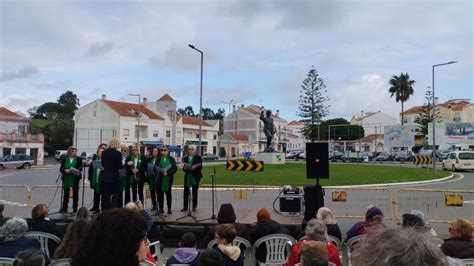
<point x="294" y="257"/>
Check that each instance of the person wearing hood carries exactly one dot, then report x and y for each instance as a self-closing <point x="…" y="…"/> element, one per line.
<point x="186" y="253"/>
<point x="225" y="234"/>
<point x="373" y="222"/>
<point x="226" y="215"/>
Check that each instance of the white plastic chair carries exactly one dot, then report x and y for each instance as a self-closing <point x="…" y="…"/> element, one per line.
<point x="238" y="242"/>
<point x="468" y="262"/>
<point x="278" y="248"/>
<point x="60" y="262"/>
<point x="348" y="247"/>
<point x="44" y="238"/>
<point x="6" y="261"/>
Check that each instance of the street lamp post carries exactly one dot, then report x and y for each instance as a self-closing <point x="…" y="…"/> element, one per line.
<point x="200" y="98"/>
<point x="138" y="117"/>
<point x="228" y="137"/>
<point x="434" y="108"/>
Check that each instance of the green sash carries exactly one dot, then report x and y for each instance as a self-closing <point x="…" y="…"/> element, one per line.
<point x="164" y="163"/>
<point x="96" y="177"/>
<point x="152" y="177"/>
<point x="189" y="180"/>
<point x="69" y="178"/>
<point x="134" y="178"/>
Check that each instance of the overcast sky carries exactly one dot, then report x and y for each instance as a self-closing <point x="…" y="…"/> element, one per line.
<point x="255" y="52"/>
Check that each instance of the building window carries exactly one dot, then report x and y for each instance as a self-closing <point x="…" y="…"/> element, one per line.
<point x="215" y="136"/>
<point x="155" y="134"/>
<point x="94" y="113"/>
<point x="168" y="133"/>
<point x="457" y="117"/>
<point x="21" y="129"/>
<point x="405" y="120"/>
<point x="126" y="132"/>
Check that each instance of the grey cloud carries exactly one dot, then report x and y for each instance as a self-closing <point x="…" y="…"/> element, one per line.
<point x="60" y="84"/>
<point x="181" y="57"/>
<point x="22" y="73"/>
<point x="100" y="48"/>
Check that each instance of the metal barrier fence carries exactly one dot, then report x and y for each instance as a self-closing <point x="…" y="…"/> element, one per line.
<point x="440" y="206"/>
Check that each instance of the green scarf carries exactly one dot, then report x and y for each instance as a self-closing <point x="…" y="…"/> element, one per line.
<point x="96" y="177"/>
<point x="69" y="178"/>
<point x="164" y="163"/>
<point x="189" y="180"/>
<point x="152" y="177"/>
<point x="134" y="178"/>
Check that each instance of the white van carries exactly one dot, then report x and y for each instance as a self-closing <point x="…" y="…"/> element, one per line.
<point x="459" y="160"/>
<point x="58" y="153"/>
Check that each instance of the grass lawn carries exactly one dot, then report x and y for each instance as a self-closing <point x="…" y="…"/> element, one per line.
<point x="295" y="174"/>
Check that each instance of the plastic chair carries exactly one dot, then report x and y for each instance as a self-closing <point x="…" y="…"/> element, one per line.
<point x="468" y="262"/>
<point x="278" y="248"/>
<point x="6" y="261"/>
<point x="60" y="262"/>
<point x="44" y="238"/>
<point x="351" y="243"/>
<point x="239" y="242"/>
<point x="155" y="249"/>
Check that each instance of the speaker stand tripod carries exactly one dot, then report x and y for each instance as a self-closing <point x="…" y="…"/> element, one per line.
<point x="190" y="204"/>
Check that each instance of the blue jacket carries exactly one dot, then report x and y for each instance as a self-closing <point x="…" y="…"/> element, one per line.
<point x="9" y="249"/>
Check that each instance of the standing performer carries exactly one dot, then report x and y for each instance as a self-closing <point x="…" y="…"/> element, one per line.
<point x="123" y="179"/>
<point x="111" y="161"/>
<point x="164" y="170"/>
<point x="155" y="153"/>
<point x="136" y="166"/>
<point x="71" y="167"/>
<point x="95" y="176"/>
<point x="192" y="176"/>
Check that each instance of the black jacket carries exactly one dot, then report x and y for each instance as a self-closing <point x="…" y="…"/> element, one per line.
<point x="333" y="230"/>
<point x="458" y="248"/>
<point x="261" y="230"/>
<point x="46" y="226"/>
<point x="141" y="168"/>
<point x="170" y="171"/>
<point x="197" y="172"/>
<point x="78" y="165"/>
<point x="112" y="162"/>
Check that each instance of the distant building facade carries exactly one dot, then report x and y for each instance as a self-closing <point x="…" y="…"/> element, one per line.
<point x="373" y="122"/>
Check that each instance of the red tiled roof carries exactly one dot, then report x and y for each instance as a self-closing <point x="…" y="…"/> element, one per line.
<point x="295" y="123"/>
<point x="238" y="137"/>
<point x="128" y="109"/>
<point x="257" y="112"/>
<point x="370" y="138"/>
<point x="5" y="112"/>
<point x="190" y="120"/>
<point x="455" y="106"/>
<point x="166" y="97"/>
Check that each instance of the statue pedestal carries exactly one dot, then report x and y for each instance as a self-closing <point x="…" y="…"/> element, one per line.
<point x="271" y="157"/>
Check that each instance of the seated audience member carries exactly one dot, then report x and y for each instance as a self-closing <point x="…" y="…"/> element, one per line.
<point x="316" y="231"/>
<point x="459" y="244"/>
<point x="40" y="222"/>
<point x="211" y="258"/>
<point x="227" y="215"/>
<point x="30" y="257"/>
<point x="2" y="218"/>
<point x="264" y="226"/>
<point x="116" y="237"/>
<point x="398" y="247"/>
<point x="325" y="215"/>
<point x="83" y="214"/>
<point x="13" y="240"/>
<point x="373" y="222"/>
<point x="138" y="206"/>
<point x="186" y="253"/>
<point x="313" y="253"/>
<point x="225" y="234"/>
<point x="418" y="221"/>
<point x="70" y="243"/>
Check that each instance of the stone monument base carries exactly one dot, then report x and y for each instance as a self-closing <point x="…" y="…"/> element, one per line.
<point x="271" y="157"/>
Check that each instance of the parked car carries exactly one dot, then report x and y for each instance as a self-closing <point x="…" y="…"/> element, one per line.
<point x="301" y="155"/>
<point x="209" y="157"/>
<point x="292" y="154"/>
<point x="384" y="156"/>
<point x="18" y="161"/>
<point x="404" y="156"/>
<point x="46" y="154"/>
<point x="459" y="160"/>
<point x="58" y="153"/>
<point x="335" y="155"/>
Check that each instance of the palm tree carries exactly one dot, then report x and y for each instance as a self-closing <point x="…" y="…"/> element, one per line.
<point x="402" y="88"/>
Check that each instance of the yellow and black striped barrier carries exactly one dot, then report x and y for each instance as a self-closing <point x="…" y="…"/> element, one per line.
<point x="235" y="165"/>
<point x="422" y="159"/>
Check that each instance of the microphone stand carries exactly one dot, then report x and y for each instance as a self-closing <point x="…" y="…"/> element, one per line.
<point x="190" y="204"/>
<point x="213" y="188"/>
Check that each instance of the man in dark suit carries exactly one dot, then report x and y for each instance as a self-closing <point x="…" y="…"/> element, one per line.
<point x="165" y="168"/>
<point x="192" y="176"/>
<point x="111" y="162"/>
<point x="71" y="167"/>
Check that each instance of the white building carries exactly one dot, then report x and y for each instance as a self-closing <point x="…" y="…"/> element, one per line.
<point x="15" y="136"/>
<point x="296" y="140"/>
<point x="246" y="121"/>
<point x="374" y="122"/>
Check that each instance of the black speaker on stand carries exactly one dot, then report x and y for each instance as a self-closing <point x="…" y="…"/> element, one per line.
<point x="317" y="167"/>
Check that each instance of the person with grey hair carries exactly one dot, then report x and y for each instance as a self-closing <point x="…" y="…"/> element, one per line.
<point x="192" y="167"/>
<point x="30" y="257"/>
<point x="325" y="215"/>
<point x="398" y="247"/>
<point x="13" y="240"/>
<point x="315" y="230"/>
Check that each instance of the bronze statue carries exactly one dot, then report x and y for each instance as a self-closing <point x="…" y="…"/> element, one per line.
<point x="268" y="128"/>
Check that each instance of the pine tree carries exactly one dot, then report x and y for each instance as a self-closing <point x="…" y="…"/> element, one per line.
<point x="312" y="104"/>
<point x="425" y="117"/>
